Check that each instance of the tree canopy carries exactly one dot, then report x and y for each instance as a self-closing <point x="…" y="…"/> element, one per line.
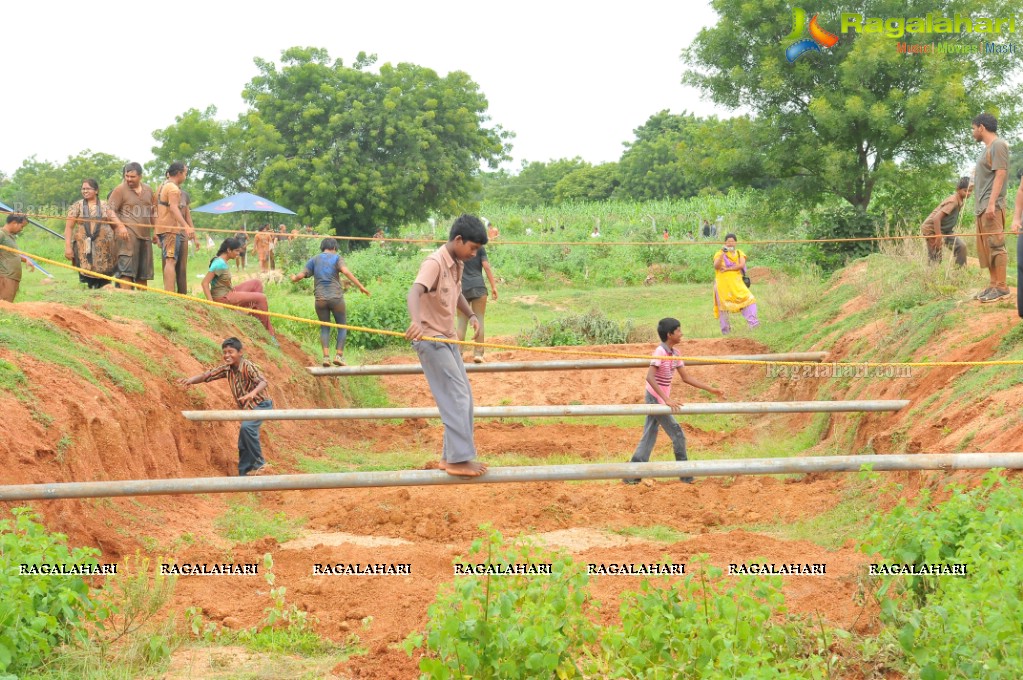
<point x="838" y="121"/>
<point x="43" y="187"/>
<point x="359" y="148"/>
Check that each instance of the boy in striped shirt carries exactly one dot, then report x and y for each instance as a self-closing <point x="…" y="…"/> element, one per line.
<point x="249" y="389"/>
<point x="658" y="391"/>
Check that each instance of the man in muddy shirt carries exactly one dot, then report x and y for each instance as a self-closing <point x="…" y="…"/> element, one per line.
<point x="134" y="206"/>
<point x="941" y="223"/>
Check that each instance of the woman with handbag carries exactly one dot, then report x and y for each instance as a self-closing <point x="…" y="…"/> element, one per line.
<point x="731" y="286"/>
<point x="89" y="236"/>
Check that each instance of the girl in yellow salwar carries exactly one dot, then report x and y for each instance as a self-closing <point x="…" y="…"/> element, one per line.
<point x="730" y="293"/>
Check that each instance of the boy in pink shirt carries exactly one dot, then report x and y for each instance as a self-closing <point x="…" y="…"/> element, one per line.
<point x="658" y="391"/>
<point x="432" y="301"/>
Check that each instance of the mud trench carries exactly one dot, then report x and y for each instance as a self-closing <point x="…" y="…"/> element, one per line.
<point x="427" y="527"/>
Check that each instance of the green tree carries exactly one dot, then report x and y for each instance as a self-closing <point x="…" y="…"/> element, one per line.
<point x="846" y="118"/>
<point x="43" y="187"/>
<point x="369" y="149"/>
<point x="653" y="166"/>
<point x="534" y="183"/>
<point x="595" y="183"/>
<point x="223" y="157"/>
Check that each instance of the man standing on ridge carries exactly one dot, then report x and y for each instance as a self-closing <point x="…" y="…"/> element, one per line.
<point x="134" y="206"/>
<point x="990" y="188"/>
<point x="173" y="229"/>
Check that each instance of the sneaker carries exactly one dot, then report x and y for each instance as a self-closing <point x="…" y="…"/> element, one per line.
<point x="326" y="362"/>
<point x="339" y="360"/>
<point x="631" y="481"/>
<point x="477" y="360"/>
<point x="982" y="293"/>
<point x="994" y="294"/>
<point x="260" y="471"/>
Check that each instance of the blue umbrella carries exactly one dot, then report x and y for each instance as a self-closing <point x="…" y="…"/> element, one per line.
<point x="243" y="203"/>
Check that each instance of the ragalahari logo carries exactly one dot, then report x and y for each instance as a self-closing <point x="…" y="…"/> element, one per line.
<point x="818" y="36"/>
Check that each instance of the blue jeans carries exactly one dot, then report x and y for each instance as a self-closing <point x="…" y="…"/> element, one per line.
<point x="250" y="453"/>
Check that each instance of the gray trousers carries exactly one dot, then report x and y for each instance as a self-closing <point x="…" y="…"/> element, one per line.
<point x="445" y="373"/>
<point x="670" y="425"/>
<point x="250" y="453"/>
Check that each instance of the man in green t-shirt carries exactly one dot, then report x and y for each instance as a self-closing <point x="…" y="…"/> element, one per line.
<point x="10" y="263"/>
<point x="989" y="186"/>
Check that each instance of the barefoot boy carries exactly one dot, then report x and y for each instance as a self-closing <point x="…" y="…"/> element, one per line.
<point x="658" y="391"/>
<point x="249" y="389"/>
<point x="432" y="301"/>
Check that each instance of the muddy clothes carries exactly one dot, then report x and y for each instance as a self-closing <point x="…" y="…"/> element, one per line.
<point x="993" y="158"/>
<point x="135" y="210"/>
<point x="92" y="241"/>
<point x="324" y="270"/>
<point x="10" y="263"/>
<point x="441" y="276"/>
<point x="220" y="286"/>
<point x="242" y="379"/>
<point x="168" y="195"/>
<point x="263" y="241"/>
<point x="944" y="218"/>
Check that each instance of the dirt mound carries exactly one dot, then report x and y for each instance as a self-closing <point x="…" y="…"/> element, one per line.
<point x="62" y="427"/>
<point x="65" y="428"/>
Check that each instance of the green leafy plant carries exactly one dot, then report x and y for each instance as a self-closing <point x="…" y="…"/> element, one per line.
<point x="593" y="328"/>
<point x="39" y="613"/>
<point x="949" y="626"/>
<point x="509" y="626"/>
<point x="704" y="626"/>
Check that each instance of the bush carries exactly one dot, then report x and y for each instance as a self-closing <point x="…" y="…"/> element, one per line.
<point x="38" y="613"/>
<point x="510" y="626"/>
<point x="593" y="328"/>
<point x="954" y="626"/>
<point x="842" y="222"/>
<point x="542" y="626"/>
<point x="705" y="627"/>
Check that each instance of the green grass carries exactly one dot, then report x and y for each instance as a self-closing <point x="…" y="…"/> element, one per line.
<point x="14" y="381"/>
<point x="245" y="521"/>
<point x="780" y="443"/>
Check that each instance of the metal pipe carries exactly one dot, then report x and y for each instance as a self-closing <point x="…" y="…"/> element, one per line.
<point x="504" y="475"/>
<point x="554" y="411"/>
<point x="575" y="365"/>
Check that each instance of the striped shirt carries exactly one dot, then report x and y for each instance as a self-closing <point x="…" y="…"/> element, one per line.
<point x="242" y="379"/>
<point x="665" y="370"/>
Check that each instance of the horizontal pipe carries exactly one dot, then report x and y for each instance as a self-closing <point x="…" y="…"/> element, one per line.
<point x="512" y="366"/>
<point x="555" y="411"/>
<point x="504" y="475"/>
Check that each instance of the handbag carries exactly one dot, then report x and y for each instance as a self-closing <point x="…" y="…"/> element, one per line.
<point x="745" y="278"/>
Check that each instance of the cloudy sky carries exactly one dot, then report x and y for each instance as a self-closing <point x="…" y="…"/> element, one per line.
<point x="568" y="78"/>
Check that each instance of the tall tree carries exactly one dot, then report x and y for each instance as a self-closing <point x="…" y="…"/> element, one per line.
<point x="44" y="187"/>
<point x="680" y="155"/>
<point x="846" y="117"/>
<point x="595" y="183"/>
<point x="369" y="149"/>
<point x="223" y="157"/>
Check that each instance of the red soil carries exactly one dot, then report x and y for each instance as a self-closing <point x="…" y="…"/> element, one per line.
<point x="115" y="435"/>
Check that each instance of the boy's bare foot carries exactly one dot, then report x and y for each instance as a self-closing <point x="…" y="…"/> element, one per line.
<point x="470" y="468"/>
